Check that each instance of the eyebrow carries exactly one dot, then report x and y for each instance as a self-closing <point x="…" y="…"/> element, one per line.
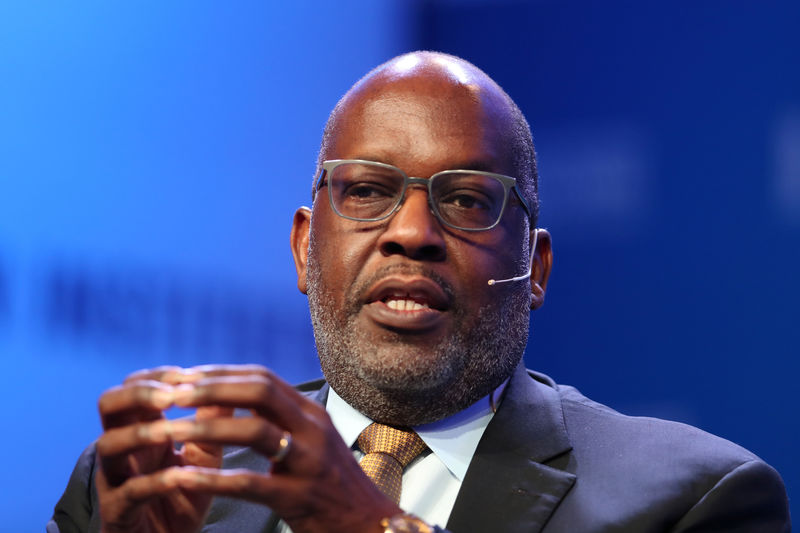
<point x="470" y="164"/>
<point x="476" y="164"/>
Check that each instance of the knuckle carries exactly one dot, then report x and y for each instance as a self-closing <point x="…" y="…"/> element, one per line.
<point x="315" y="416"/>
<point x="247" y="483"/>
<point x="201" y="429"/>
<point x="137" y="376"/>
<point x="106" y="400"/>
<point x="147" y="373"/>
<point x="141" y="394"/>
<point x="102" y="445"/>
<point x="256" y="369"/>
<point x="200" y="393"/>
<point x="317" y="411"/>
<point x="141" y="434"/>
<point x="254" y="431"/>
<point x="315" y="469"/>
<point x="262" y="389"/>
<point x="259" y="431"/>
<point x="169" y="477"/>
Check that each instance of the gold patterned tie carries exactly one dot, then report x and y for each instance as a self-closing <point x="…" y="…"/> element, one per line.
<point x="388" y="450"/>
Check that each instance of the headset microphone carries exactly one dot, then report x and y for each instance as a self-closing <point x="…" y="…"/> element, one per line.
<point x="530" y="267"/>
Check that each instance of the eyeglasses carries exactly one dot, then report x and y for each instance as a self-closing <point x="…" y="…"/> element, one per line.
<point x="470" y="200"/>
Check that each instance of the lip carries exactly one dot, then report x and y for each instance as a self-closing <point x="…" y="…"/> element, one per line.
<point x="415" y="288"/>
<point x="419" y="289"/>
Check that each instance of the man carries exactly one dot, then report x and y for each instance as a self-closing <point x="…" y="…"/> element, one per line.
<point x="426" y="191"/>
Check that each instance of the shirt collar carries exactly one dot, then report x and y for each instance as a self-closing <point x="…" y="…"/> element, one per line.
<point x="453" y="439"/>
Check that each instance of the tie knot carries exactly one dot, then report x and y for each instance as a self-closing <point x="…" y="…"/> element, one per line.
<point x="402" y="444"/>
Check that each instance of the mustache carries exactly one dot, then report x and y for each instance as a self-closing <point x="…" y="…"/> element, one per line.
<point x="361" y="287"/>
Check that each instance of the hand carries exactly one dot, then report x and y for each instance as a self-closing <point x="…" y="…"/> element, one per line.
<point x="139" y="465"/>
<point x="318" y="486"/>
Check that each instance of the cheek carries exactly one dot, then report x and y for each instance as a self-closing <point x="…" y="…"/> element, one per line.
<point x="337" y="256"/>
<point x="480" y="261"/>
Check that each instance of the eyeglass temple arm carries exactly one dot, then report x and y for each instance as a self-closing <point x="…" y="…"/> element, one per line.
<point x="524" y="203"/>
<point x="320" y="179"/>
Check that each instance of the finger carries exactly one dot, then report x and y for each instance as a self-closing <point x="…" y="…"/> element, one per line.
<point x="131" y="438"/>
<point x="122" y="508"/>
<point x="212" y="371"/>
<point x="153" y="374"/>
<point x="242" y="484"/>
<point x="230" y="370"/>
<point x="206" y="454"/>
<point x="263" y="395"/>
<point x="247" y="370"/>
<point x="141" y="400"/>
<point x="175" y="375"/>
<point x="137" y="449"/>
<point x="255" y="432"/>
<point x="213" y="411"/>
<point x="140" y="489"/>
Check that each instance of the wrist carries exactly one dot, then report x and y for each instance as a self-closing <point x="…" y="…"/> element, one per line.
<point x="405" y="523"/>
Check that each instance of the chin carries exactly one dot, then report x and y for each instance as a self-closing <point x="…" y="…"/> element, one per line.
<point x="411" y="368"/>
<point x="412" y="387"/>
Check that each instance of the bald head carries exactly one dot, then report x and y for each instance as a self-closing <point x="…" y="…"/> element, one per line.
<point x="446" y="87"/>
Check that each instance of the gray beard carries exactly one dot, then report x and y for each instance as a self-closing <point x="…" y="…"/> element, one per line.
<point x="393" y="380"/>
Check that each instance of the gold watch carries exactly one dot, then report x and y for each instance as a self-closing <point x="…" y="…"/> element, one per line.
<point x="405" y="523"/>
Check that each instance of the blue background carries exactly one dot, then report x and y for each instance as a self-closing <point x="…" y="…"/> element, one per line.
<point x="152" y="155"/>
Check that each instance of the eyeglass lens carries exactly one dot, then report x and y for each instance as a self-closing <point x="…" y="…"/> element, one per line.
<point x="467" y="200"/>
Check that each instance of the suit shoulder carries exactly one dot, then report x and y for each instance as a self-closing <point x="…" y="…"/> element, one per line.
<point x="588" y="420"/>
<point x="75" y="510"/>
<point x="312" y="386"/>
<point x="654" y="474"/>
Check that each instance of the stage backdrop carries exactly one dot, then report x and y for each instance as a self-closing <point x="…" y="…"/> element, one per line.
<point x="152" y="156"/>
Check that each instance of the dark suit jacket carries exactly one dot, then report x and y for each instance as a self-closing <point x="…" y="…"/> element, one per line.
<point x="551" y="460"/>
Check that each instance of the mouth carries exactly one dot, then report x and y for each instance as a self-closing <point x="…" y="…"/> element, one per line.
<point x="398" y="303"/>
<point x="407" y="303"/>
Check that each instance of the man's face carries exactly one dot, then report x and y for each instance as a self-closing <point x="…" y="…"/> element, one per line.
<point x="407" y="328"/>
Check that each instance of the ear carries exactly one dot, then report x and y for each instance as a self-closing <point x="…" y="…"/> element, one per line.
<point x="299" y="242"/>
<point x="542" y="263"/>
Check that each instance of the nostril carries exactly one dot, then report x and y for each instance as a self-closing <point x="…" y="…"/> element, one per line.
<point x="430" y="252"/>
<point x="392" y="248"/>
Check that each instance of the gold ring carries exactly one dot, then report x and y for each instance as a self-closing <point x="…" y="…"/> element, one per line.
<point x="283" y="448"/>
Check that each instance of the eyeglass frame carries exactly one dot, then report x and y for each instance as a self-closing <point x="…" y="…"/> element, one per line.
<point x="508" y="182"/>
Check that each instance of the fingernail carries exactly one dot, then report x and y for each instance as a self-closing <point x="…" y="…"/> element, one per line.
<point x="163" y="397"/>
<point x="191" y="479"/>
<point x="188" y="375"/>
<point x="183" y="394"/>
<point x="159" y="431"/>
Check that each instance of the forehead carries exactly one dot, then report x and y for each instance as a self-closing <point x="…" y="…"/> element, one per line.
<point x="423" y="124"/>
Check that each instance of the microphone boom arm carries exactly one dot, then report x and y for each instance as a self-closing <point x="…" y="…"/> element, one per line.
<point x="530" y="267"/>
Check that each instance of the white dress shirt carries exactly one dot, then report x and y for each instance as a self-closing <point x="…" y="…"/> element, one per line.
<point x="431" y="481"/>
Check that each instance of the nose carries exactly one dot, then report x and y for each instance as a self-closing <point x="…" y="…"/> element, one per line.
<point x="413" y="230"/>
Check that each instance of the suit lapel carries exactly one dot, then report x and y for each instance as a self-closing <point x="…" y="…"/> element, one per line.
<point x="509" y="486"/>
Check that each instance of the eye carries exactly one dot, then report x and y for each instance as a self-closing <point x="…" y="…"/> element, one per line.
<point x="467" y="199"/>
<point x="365" y="190"/>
